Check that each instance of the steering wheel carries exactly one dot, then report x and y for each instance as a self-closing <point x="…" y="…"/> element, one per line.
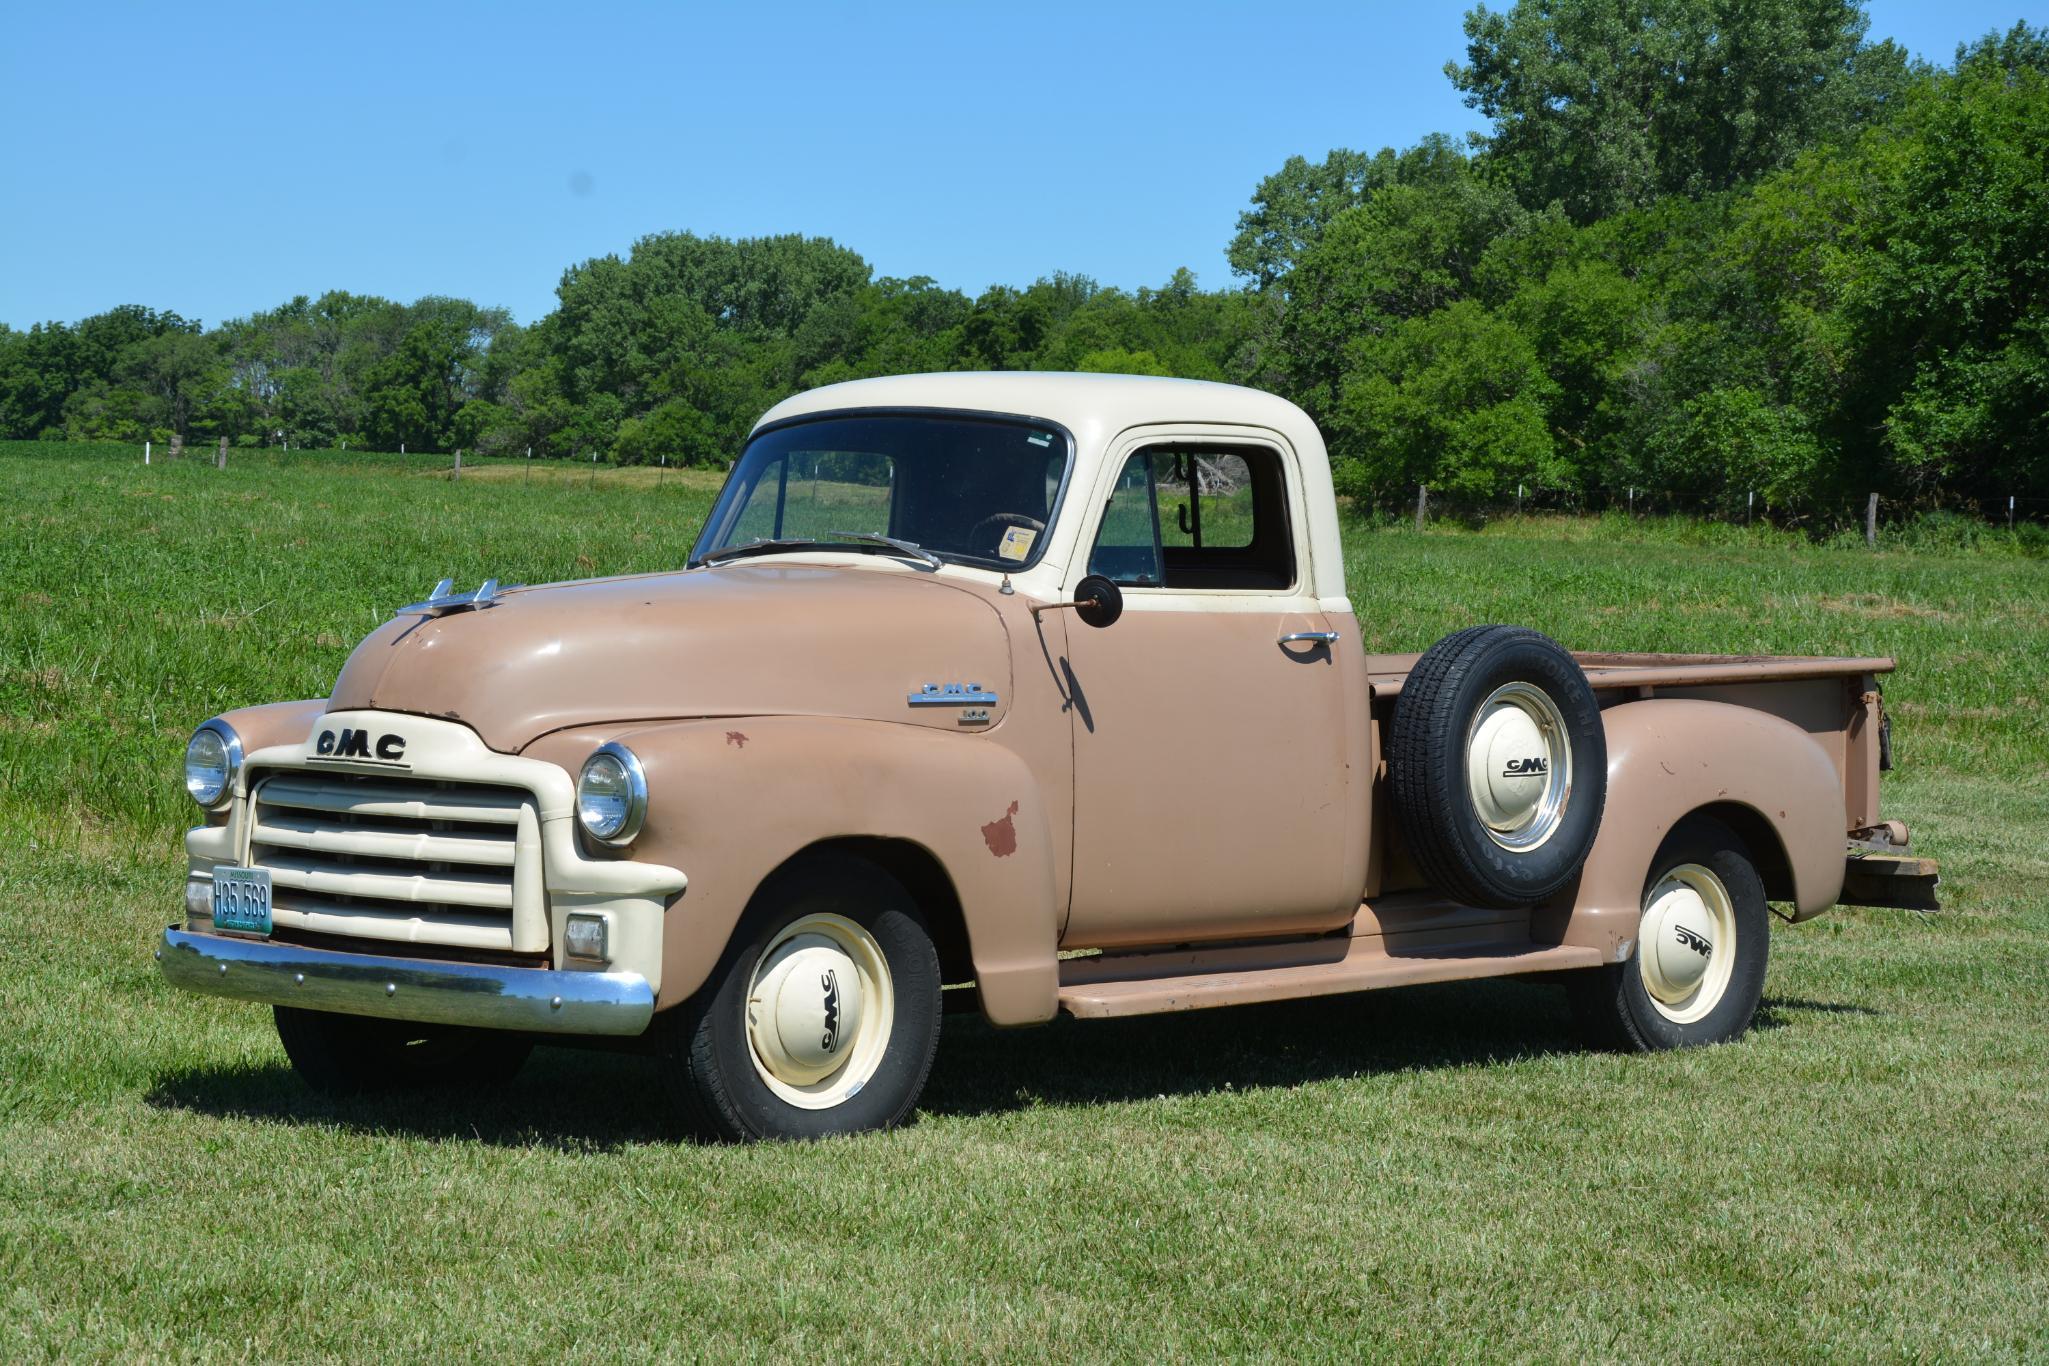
<point x="996" y="519"/>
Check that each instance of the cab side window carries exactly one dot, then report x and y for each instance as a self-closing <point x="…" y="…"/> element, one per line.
<point x="1128" y="546"/>
<point x="1224" y="518"/>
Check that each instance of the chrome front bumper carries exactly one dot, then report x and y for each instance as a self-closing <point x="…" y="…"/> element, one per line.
<point x="534" y="1000"/>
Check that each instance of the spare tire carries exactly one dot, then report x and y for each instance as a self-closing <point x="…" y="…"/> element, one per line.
<point x="1498" y="766"/>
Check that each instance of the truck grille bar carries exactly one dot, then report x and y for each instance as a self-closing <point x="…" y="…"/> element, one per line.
<point x="415" y="860"/>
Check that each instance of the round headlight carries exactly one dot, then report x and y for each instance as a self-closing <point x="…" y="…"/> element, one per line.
<point x="211" y="758"/>
<point x="611" y="796"/>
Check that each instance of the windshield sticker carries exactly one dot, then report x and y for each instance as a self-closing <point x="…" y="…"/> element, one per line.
<point x="1040" y="438"/>
<point x="1017" y="542"/>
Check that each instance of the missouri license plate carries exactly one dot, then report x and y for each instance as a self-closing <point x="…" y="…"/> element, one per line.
<point x="241" y="899"/>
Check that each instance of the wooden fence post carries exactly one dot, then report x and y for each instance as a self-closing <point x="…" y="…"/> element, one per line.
<point x="177" y="446"/>
<point x="458" y="464"/>
<point x="220" y="458"/>
<point x="1871" y="522"/>
<point x="1422" y="502"/>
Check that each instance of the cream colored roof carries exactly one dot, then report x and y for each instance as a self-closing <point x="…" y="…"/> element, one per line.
<point x="1096" y="409"/>
<point x="1093" y="407"/>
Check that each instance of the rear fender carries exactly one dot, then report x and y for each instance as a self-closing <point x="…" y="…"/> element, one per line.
<point x="730" y="801"/>
<point x="1671" y="757"/>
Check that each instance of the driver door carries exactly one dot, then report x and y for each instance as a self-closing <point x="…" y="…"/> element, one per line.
<point x="1209" y="738"/>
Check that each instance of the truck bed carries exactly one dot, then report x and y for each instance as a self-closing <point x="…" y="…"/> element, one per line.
<point x="1607" y="669"/>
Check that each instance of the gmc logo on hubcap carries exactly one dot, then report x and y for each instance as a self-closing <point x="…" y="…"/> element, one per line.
<point x="1698" y="943"/>
<point x="830" y="982"/>
<point x="1526" y="768"/>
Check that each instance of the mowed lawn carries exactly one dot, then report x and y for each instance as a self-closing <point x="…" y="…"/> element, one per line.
<point x="1433" y="1172"/>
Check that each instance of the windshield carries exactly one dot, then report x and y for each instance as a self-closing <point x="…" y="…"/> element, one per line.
<point x="973" y="490"/>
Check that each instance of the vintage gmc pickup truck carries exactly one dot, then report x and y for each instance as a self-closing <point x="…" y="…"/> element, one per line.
<point x="1042" y="688"/>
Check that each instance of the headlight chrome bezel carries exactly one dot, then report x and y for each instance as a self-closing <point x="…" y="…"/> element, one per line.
<point x="232" y="774"/>
<point x="636" y="795"/>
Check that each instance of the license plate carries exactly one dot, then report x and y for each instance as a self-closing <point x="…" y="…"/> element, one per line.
<point x="241" y="899"/>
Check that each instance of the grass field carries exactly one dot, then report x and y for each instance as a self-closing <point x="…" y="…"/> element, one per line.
<point x="1434" y="1172"/>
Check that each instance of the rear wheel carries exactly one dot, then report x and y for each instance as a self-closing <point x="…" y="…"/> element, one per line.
<point x="823" y="1017"/>
<point x="345" y="1055"/>
<point x="1697" y="974"/>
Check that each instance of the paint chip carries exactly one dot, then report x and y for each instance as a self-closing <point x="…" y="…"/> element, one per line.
<point x="736" y="739"/>
<point x="1001" y="834"/>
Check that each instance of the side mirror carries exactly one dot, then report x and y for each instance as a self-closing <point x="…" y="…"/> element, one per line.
<point x="1098" y="601"/>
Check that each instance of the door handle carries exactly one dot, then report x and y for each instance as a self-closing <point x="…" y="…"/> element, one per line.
<point x="1316" y="637"/>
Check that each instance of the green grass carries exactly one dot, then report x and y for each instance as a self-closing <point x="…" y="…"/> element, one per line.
<point x="1433" y="1172"/>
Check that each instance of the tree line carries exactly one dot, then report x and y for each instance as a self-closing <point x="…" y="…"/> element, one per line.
<point x="1707" y="247"/>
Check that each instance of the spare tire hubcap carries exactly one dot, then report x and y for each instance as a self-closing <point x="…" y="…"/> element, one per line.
<point x="1518" y="766"/>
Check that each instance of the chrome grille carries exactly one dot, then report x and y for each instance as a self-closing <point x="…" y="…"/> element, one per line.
<point x="401" y="858"/>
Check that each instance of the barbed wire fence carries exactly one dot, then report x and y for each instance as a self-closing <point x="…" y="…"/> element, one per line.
<point x="1875" y="515"/>
<point x="1879" y="517"/>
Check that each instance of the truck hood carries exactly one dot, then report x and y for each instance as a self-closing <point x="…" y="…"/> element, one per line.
<point x="753" y="639"/>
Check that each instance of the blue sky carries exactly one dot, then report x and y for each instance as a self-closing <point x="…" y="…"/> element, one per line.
<point x="218" y="159"/>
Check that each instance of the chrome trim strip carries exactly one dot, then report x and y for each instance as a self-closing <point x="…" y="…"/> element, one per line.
<point x="952" y="695"/>
<point x="535" y="1000"/>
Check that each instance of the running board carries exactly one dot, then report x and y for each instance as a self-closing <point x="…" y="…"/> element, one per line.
<point x="1114" y="984"/>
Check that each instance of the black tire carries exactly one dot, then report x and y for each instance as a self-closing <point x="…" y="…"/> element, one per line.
<point x="347" y="1055"/>
<point x="707" y="1060"/>
<point x="1613" y="1004"/>
<point x="1434" y="720"/>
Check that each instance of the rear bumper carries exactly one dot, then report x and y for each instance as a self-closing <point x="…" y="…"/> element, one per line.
<point x="533" y="1000"/>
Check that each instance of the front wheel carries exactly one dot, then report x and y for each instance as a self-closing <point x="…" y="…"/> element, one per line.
<point x="1698" y="971"/>
<point x="822" y="1018"/>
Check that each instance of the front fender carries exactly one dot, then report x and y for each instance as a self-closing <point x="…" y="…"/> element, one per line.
<point x="1670" y="757"/>
<point x="731" y="800"/>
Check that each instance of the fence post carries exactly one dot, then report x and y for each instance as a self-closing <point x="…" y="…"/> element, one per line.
<point x="1749" y="502"/>
<point x="1422" y="502"/>
<point x="458" y="464"/>
<point x="1871" y="522"/>
<point x="2009" y="514"/>
<point x="220" y="458"/>
<point x="1632" y="500"/>
<point x="401" y="448"/>
<point x="1518" y="500"/>
<point x="145" y="452"/>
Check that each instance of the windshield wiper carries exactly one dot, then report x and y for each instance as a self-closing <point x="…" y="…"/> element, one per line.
<point x="759" y="547"/>
<point x="864" y="542"/>
<point x="876" y="538"/>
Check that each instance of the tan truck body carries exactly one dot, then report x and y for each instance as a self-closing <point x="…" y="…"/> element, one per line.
<point x="773" y="703"/>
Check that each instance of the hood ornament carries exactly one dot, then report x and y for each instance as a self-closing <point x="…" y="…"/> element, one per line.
<point x="444" y="599"/>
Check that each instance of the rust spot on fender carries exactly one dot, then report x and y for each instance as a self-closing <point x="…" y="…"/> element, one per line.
<point x="1001" y="833"/>
<point x="736" y="739"/>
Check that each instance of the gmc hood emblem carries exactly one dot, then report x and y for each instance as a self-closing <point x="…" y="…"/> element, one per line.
<point x="349" y="743"/>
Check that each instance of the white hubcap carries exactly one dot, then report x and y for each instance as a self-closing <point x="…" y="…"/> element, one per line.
<point x="1688" y="948"/>
<point x="819" y="1011"/>
<point x="1518" y="766"/>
